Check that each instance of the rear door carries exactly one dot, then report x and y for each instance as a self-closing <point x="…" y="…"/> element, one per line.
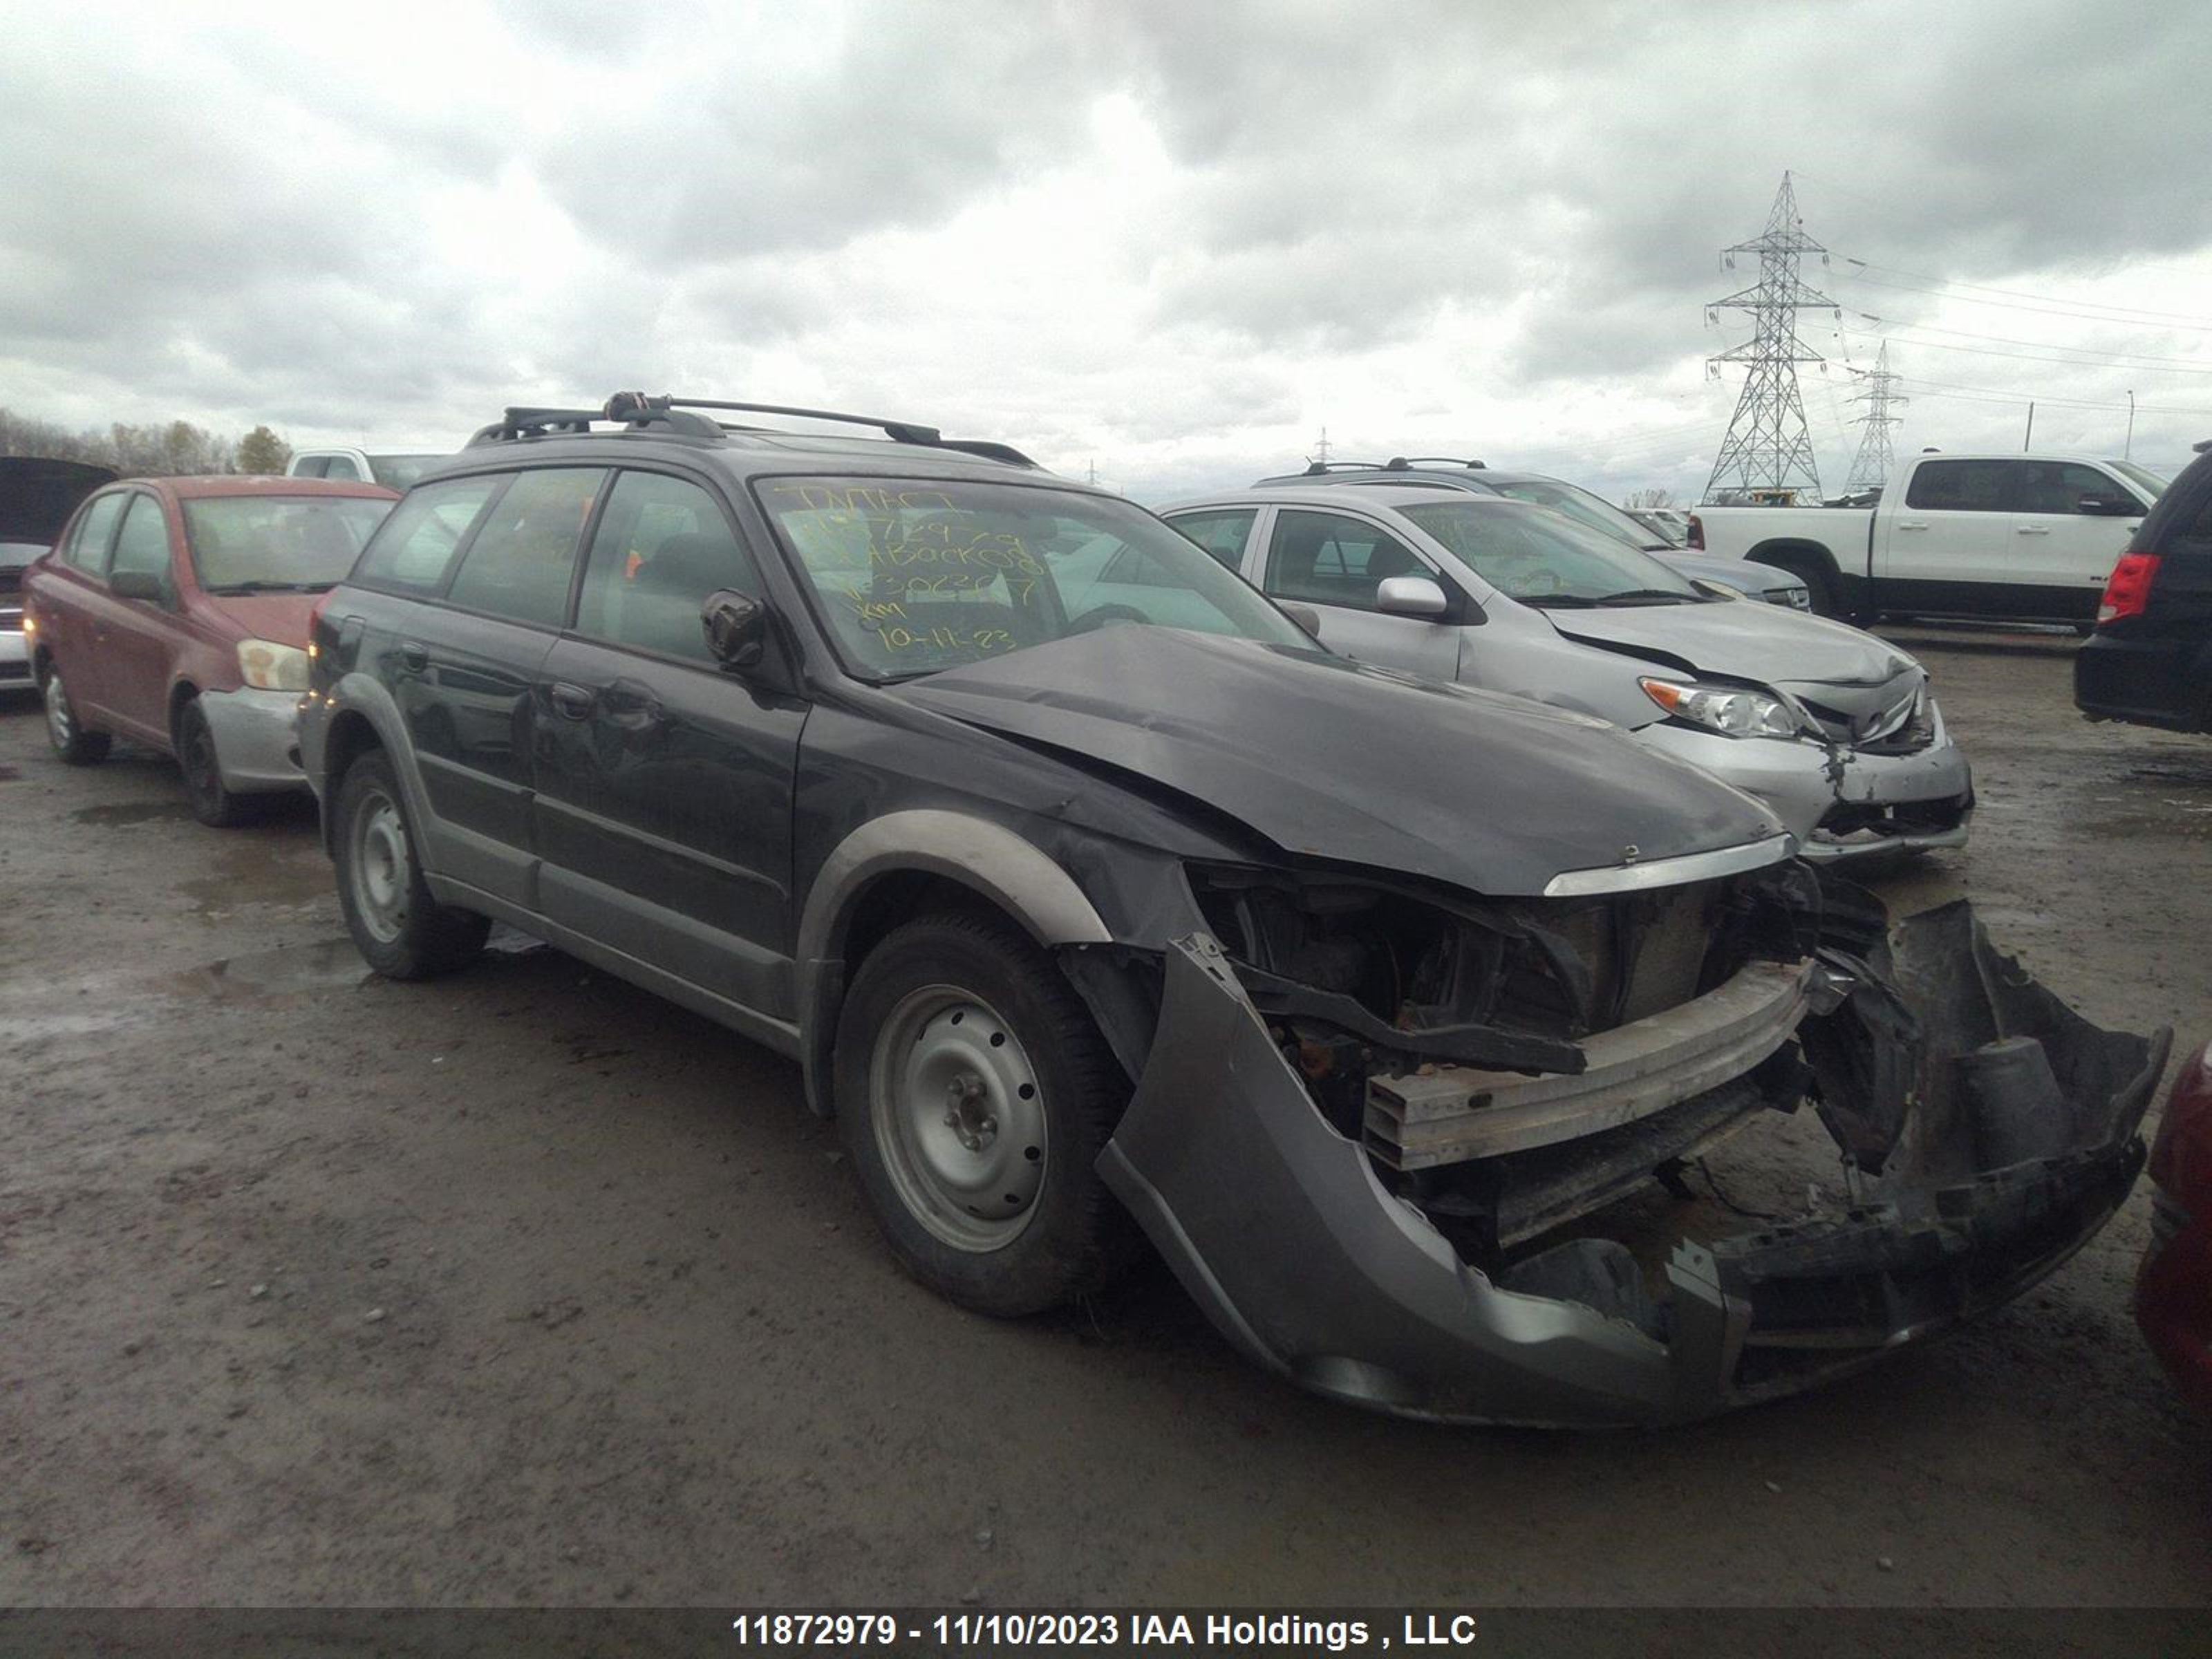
<point x="1948" y="547"/>
<point x="664" y="782"/>
<point x="1334" y="562"/>
<point x="2062" y="552"/>
<point x="489" y="560"/>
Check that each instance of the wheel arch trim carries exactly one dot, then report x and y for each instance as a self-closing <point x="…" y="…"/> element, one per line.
<point x="994" y="862"/>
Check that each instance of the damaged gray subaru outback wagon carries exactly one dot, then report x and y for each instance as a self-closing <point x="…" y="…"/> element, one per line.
<point x="1451" y="1049"/>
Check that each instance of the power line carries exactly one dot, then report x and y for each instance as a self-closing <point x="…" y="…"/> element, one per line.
<point x="2024" y="293"/>
<point x="1998" y="394"/>
<point x="2026" y="357"/>
<point x="2012" y="304"/>
<point x="2124" y="359"/>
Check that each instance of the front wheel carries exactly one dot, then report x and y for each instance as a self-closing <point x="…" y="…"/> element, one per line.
<point x="214" y="803"/>
<point x="974" y="1093"/>
<point x="75" y="745"/>
<point x="400" y="930"/>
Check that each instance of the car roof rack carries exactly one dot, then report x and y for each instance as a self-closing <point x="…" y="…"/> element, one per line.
<point x="1315" y="469"/>
<point x="637" y="410"/>
<point x="1400" y="463"/>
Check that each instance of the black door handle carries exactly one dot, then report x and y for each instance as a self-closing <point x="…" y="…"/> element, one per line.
<point x="571" y="701"/>
<point x="414" y="654"/>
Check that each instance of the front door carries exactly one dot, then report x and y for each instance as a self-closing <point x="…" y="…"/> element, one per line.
<point x="664" y="782"/>
<point x="1334" y="563"/>
<point x="2060" y="550"/>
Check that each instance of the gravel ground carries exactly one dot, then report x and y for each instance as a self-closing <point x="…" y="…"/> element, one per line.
<point x="526" y="1287"/>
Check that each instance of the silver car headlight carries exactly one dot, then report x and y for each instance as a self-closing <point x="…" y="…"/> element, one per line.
<point x="268" y="667"/>
<point x="1730" y="710"/>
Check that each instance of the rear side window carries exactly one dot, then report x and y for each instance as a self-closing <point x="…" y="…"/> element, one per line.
<point x="662" y="546"/>
<point x="338" y="467"/>
<point x="144" y="542"/>
<point x="520" y="563"/>
<point x="414" y="547"/>
<point x="87" y="543"/>
<point x="1327" y="558"/>
<point x="1960" y="486"/>
<point x="311" y="466"/>
<point x="1221" y="534"/>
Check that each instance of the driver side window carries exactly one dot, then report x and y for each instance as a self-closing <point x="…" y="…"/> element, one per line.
<point x="662" y="546"/>
<point x="1327" y="558"/>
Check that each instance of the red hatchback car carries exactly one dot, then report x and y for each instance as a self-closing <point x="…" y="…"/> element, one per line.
<point x="173" y="612"/>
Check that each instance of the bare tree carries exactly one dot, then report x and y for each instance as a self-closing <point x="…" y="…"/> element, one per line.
<point x="1650" y="498"/>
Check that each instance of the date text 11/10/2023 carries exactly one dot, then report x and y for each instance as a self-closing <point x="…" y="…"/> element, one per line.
<point x="1244" y="1630"/>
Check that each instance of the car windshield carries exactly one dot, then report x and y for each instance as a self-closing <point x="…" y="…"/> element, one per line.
<point x="2141" y="476"/>
<point x="275" y="544"/>
<point x="400" y="471"/>
<point x="1584" y="508"/>
<point x="918" y="575"/>
<point x="1542" y="559"/>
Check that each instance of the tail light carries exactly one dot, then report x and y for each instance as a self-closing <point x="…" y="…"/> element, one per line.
<point x="2181" y="1156"/>
<point x="2127" y="590"/>
<point x="1697" y="532"/>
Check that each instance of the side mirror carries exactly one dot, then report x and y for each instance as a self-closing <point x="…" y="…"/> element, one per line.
<point x="138" y="585"/>
<point x="1411" y="596"/>
<point x="1304" y="615"/>
<point x="736" y="627"/>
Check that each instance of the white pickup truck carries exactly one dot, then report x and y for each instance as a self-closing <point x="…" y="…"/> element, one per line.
<point x="2025" y="537"/>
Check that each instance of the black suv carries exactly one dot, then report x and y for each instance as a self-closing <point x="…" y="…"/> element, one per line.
<point x="2150" y="659"/>
<point x="1083" y="885"/>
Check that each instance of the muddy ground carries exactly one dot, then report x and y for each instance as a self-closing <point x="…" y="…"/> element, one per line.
<point x="527" y="1287"/>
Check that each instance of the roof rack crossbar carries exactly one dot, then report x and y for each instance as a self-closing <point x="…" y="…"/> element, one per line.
<point x="1400" y="463"/>
<point x="1314" y="468"/>
<point x="904" y="432"/>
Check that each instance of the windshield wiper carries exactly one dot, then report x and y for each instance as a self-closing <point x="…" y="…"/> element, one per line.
<point x="1557" y="601"/>
<point x="272" y="588"/>
<point x="1650" y="596"/>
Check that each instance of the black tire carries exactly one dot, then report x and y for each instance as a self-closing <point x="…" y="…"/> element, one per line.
<point x="71" y="741"/>
<point x="1821" y="590"/>
<point x="399" y="928"/>
<point x="1070" y="1235"/>
<point x="213" y="803"/>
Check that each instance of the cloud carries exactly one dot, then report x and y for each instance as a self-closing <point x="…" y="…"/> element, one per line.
<point x="1176" y="241"/>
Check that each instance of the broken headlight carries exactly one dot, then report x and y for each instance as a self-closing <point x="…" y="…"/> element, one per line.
<point x="1730" y="710"/>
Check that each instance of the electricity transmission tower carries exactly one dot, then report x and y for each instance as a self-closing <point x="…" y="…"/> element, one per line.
<point x="1767" y="447"/>
<point x="1870" y="466"/>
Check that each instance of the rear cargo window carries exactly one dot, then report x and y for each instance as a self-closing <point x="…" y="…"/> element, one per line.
<point x="414" y="547"/>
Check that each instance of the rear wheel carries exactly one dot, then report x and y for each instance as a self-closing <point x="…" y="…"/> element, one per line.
<point x="213" y="802"/>
<point x="65" y="732"/>
<point x="974" y="1093"/>
<point x="400" y="930"/>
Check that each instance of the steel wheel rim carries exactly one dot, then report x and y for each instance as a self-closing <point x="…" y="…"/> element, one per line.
<point x="59" y="725"/>
<point x="197" y="759"/>
<point x="958" y="1114"/>
<point x="382" y="866"/>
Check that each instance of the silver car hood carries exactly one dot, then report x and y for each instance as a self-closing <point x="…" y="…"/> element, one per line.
<point x="1770" y="644"/>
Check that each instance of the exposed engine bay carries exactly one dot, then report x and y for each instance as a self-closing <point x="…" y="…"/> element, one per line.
<point x="1452" y="1107"/>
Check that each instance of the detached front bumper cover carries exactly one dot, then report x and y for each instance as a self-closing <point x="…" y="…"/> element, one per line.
<point x="1280" y="1229"/>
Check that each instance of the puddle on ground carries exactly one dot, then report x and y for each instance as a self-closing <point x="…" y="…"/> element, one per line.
<point x="132" y="811"/>
<point x="254" y="873"/>
<point x="326" y="964"/>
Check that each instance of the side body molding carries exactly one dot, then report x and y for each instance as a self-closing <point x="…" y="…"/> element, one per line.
<point x="993" y="860"/>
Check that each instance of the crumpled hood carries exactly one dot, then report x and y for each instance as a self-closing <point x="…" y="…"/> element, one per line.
<point x="1768" y="643"/>
<point x="1336" y="760"/>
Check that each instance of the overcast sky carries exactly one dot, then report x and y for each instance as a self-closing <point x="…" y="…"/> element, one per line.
<point x="1173" y="240"/>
